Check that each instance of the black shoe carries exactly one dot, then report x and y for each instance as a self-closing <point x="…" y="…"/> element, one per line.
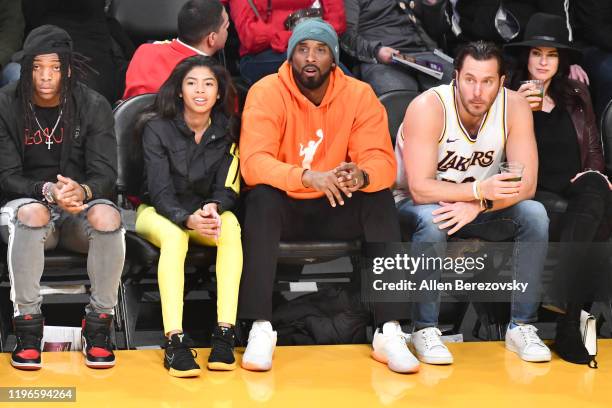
<point x="222" y="349"/>
<point x="568" y="341"/>
<point x="97" y="345"/>
<point x="29" y="332"/>
<point x="179" y="357"/>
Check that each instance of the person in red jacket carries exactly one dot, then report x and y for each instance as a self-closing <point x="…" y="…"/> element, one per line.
<point x="264" y="34"/>
<point x="202" y="29"/>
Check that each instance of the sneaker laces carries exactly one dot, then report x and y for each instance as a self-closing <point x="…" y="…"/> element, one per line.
<point x="431" y="337"/>
<point x="223" y="343"/>
<point x="529" y="334"/>
<point x="182" y="349"/>
<point x="397" y="337"/>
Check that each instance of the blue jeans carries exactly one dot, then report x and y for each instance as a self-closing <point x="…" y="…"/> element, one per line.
<point x="10" y="73"/>
<point x="253" y="67"/>
<point x="525" y="222"/>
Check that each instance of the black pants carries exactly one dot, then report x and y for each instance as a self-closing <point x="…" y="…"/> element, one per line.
<point x="585" y="220"/>
<point x="272" y="216"/>
<point x="588" y="208"/>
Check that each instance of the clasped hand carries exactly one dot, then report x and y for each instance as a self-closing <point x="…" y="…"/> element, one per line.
<point x="343" y="180"/>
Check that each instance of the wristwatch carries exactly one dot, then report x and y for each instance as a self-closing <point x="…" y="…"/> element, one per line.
<point x="366" y="180"/>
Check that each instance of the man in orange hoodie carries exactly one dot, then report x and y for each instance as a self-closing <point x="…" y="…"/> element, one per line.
<point x="316" y="149"/>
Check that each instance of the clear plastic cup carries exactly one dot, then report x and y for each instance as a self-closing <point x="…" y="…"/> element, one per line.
<point x="539" y="91"/>
<point x="515" y="168"/>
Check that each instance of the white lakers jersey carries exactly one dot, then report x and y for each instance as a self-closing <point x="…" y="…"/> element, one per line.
<point x="462" y="157"/>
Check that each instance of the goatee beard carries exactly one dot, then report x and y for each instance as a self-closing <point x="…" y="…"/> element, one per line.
<point x="311" y="83"/>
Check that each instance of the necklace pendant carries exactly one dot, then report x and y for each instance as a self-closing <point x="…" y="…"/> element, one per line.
<point x="49" y="142"/>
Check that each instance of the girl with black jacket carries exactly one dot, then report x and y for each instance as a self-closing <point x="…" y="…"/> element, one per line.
<point x="189" y="144"/>
<point x="571" y="164"/>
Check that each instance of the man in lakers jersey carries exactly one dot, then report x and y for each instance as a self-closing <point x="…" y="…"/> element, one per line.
<point x="449" y="149"/>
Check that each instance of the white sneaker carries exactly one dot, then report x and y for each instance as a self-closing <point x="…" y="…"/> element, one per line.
<point x="389" y="347"/>
<point x="524" y="341"/>
<point x="429" y="347"/>
<point x="260" y="348"/>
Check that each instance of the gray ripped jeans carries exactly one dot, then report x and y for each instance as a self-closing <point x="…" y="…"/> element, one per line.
<point x="26" y="259"/>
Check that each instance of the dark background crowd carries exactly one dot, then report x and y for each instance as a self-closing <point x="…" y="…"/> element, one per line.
<point x="107" y="34"/>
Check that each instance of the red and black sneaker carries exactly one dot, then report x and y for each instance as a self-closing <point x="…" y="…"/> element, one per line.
<point x="97" y="345"/>
<point x="29" y="332"/>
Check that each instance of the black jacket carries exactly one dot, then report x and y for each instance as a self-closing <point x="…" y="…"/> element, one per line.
<point x="477" y="17"/>
<point x="181" y="175"/>
<point x="89" y="153"/>
<point x="593" y="20"/>
<point x="371" y="24"/>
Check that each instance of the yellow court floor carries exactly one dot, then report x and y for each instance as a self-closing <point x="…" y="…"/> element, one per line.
<point x="484" y="375"/>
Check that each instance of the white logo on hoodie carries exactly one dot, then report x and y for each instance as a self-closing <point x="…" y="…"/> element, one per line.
<point x="309" y="151"/>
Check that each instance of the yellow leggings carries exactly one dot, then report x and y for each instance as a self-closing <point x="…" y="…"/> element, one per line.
<point x="173" y="242"/>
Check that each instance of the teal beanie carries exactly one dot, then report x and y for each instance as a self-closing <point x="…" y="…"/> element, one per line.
<point x="318" y="30"/>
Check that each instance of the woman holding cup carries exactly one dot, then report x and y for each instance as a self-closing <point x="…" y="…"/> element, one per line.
<point x="571" y="162"/>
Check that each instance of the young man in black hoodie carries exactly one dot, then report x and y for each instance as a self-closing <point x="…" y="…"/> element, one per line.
<point x="57" y="172"/>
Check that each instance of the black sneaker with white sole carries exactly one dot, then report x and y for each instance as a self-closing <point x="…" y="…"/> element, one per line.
<point x="29" y="332"/>
<point x="97" y="345"/>
<point x="179" y="357"/>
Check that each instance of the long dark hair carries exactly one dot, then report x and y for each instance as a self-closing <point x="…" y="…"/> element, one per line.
<point x="67" y="82"/>
<point x="73" y="67"/>
<point x="168" y="104"/>
<point x="560" y="90"/>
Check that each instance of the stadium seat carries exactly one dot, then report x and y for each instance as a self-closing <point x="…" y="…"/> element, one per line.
<point x="146" y="20"/>
<point x="395" y="103"/>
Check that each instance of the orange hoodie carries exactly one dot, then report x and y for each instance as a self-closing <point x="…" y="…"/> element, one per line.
<point x="283" y="133"/>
